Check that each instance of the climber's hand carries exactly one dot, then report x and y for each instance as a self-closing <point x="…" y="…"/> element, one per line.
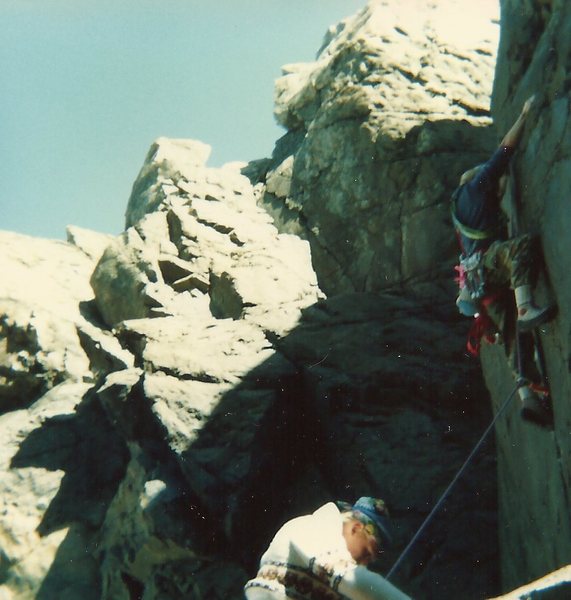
<point x="527" y="105"/>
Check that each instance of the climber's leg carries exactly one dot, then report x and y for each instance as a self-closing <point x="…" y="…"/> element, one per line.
<point x="513" y="263"/>
<point x="534" y="409"/>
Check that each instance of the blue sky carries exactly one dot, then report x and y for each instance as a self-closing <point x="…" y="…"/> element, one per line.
<point x="87" y="85"/>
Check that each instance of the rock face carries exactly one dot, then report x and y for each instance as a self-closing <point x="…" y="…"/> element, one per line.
<point x="40" y="347"/>
<point x="190" y="437"/>
<point x="200" y="246"/>
<point x="170" y="396"/>
<point x="378" y="130"/>
<point x="533" y="467"/>
<point x="60" y="461"/>
<point x="556" y="585"/>
<point x="174" y="374"/>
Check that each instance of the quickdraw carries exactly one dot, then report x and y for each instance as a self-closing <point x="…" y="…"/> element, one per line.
<point x="471" y="271"/>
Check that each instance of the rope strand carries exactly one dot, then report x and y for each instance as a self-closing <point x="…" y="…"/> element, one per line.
<point x="452" y="483"/>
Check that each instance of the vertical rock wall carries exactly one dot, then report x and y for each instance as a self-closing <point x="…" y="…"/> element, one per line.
<point x="534" y="467"/>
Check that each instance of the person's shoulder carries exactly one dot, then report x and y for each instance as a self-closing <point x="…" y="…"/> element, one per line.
<point x="321" y="518"/>
<point x="328" y="510"/>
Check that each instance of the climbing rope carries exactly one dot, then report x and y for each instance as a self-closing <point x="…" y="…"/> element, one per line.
<point x="454" y="480"/>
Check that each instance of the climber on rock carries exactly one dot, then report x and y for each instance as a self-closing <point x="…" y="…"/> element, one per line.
<point x="490" y="263"/>
<point x="325" y="555"/>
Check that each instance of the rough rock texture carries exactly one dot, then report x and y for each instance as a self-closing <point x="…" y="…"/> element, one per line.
<point x="176" y="393"/>
<point x="160" y="424"/>
<point x="535" y="480"/>
<point x="206" y="411"/>
<point x="555" y="586"/>
<point x="201" y="246"/>
<point x="45" y="288"/>
<point x="378" y="130"/>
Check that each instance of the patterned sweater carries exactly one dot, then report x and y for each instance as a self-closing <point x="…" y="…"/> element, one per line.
<point x="308" y="560"/>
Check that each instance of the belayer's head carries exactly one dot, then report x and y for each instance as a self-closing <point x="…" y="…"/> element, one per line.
<point x="366" y="528"/>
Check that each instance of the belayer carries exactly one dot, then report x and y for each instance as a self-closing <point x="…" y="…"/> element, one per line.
<point x="325" y="555"/>
<point x="490" y="264"/>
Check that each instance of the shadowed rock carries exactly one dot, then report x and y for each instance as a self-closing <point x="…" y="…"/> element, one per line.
<point x="159" y="426"/>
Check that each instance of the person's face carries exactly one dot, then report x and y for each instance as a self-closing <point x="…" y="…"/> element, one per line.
<point x="362" y="546"/>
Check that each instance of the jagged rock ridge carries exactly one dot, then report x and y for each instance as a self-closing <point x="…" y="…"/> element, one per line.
<point x="211" y="389"/>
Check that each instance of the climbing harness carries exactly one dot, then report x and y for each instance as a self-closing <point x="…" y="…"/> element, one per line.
<point x="470" y="280"/>
<point x="471" y="268"/>
<point x="460" y="472"/>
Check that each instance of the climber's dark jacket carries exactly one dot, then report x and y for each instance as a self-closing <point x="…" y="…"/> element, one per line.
<point x="476" y="204"/>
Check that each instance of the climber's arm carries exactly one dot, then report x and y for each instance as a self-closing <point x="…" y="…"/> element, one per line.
<point x="490" y="173"/>
<point x="513" y="136"/>
<point x="361" y="584"/>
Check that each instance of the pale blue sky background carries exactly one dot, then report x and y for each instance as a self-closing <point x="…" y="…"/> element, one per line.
<point x="87" y="85"/>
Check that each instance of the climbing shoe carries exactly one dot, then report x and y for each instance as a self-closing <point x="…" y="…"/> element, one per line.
<point x="534" y="409"/>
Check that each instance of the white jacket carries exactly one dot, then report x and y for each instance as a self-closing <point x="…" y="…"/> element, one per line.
<point x="308" y="559"/>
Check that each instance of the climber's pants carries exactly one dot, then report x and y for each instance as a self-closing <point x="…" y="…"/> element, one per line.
<point x="511" y="262"/>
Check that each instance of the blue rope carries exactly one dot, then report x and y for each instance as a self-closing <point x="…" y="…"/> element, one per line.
<point x="453" y="482"/>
